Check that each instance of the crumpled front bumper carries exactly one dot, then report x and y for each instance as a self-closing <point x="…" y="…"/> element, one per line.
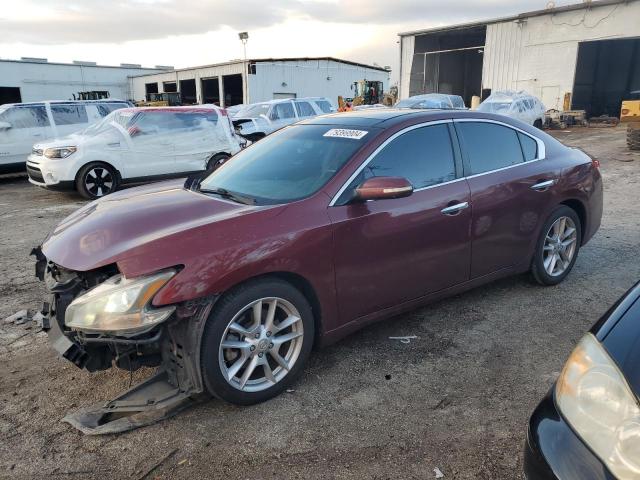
<point x="173" y="346"/>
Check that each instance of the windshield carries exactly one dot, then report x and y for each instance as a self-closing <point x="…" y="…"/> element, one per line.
<point x="494" y="107"/>
<point x="253" y="111"/>
<point x="288" y="165"/>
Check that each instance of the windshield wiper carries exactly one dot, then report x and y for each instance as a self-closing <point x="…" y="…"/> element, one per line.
<point x="224" y="193"/>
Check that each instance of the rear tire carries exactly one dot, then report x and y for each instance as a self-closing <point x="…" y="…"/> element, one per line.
<point x="558" y="246"/>
<point x="97" y="179"/>
<point x="538" y="124"/>
<point x="217" y="161"/>
<point x="239" y="338"/>
<point x="633" y="138"/>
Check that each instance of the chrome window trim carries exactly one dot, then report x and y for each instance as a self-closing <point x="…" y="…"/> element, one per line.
<point x="541" y="153"/>
<point x="380" y="147"/>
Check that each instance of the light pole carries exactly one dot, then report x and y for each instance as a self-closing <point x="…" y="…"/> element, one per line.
<point x="244" y="37"/>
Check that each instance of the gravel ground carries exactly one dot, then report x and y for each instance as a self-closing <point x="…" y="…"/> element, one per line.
<point x="457" y="398"/>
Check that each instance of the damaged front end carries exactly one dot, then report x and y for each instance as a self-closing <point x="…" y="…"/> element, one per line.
<point x="97" y="319"/>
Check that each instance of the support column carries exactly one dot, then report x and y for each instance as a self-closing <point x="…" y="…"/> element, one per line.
<point x="199" y="99"/>
<point x="221" y="91"/>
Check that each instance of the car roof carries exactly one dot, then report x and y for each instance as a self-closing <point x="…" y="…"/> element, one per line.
<point x="280" y="100"/>
<point x="385" y="117"/>
<point x="65" y="102"/>
<point x="184" y="108"/>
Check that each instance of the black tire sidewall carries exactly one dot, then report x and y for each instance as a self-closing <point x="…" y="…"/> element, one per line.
<point x="537" y="268"/>
<point x="80" y="179"/>
<point x="214" y="162"/>
<point x="222" y="313"/>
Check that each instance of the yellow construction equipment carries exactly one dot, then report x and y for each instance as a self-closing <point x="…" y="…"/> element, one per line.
<point x="630" y="114"/>
<point x="165" y="99"/>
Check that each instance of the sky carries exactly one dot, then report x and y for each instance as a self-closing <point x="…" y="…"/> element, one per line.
<point x="185" y="33"/>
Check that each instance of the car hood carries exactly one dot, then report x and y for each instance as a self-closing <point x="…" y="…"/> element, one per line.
<point x="68" y="141"/>
<point x="125" y="224"/>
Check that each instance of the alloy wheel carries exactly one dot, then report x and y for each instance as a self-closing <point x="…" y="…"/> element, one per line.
<point x="98" y="181"/>
<point x="560" y="246"/>
<point x="261" y="344"/>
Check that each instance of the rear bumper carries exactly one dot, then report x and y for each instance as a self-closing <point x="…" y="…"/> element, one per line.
<point x="554" y="452"/>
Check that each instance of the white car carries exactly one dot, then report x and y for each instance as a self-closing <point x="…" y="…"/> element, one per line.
<point x="134" y="145"/>
<point x="23" y="124"/>
<point x="520" y="105"/>
<point x="433" y="101"/>
<point x="257" y="120"/>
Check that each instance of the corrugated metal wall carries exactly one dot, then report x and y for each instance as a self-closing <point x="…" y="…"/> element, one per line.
<point x="309" y="78"/>
<point x="502" y="55"/>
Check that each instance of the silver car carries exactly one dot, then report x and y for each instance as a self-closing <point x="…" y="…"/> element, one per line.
<point x="257" y="120"/>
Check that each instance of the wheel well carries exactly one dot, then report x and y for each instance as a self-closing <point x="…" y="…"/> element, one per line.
<point x="305" y="288"/>
<point x="578" y="207"/>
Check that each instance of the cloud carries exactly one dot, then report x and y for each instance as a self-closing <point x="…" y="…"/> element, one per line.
<point x="48" y="22"/>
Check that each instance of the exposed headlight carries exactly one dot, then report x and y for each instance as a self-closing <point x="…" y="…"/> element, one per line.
<point x="596" y="400"/>
<point x="59" y="152"/>
<point x="120" y="306"/>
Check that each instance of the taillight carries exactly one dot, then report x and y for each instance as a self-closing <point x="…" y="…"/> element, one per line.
<point x="596" y="163"/>
<point x="625" y="111"/>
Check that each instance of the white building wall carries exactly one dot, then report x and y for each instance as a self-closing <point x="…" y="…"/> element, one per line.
<point x="58" y="81"/>
<point x="137" y="84"/>
<point x="540" y="54"/>
<point x="309" y="78"/>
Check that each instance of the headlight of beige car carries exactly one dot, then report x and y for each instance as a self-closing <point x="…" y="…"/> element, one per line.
<point x="596" y="400"/>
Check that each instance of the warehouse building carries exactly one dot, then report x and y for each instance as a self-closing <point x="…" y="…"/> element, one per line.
<point x="581" y="57"/>
<point x="230" y="83"/>
<point x="36" y="79"/>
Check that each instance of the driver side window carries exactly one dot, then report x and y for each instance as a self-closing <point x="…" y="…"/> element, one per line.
<point x="424" y="156"/>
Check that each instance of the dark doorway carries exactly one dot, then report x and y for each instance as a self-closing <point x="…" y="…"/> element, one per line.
<point x="606" y="72"/>
<point x="232" y="85"/>
<point x="150" y="88"/>
<point x="169" y="87"/>
<point x="188" y="92"/>
<point x="449" y="62"/>
<point x="210" y="92"/>
<point x="10" y="95"/>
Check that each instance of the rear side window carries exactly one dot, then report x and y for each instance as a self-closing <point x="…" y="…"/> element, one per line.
<point x="105" y="109"/>
<point x="197" y="119"/>
<point x="304" y="109"/>
<point x="282" y="111"/>
<point x="424" y="156"/>
<point x="69" y="114"/>
<point x="31" y="116"/>
<point x="529" y="147"/>
<point x="324" y="106"/>
<point x="489" y="146"/>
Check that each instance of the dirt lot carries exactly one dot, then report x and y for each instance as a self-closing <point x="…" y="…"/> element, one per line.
<point x="457" y="398"/>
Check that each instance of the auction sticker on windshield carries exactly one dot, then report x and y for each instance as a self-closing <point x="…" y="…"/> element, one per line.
<point x="345" y="133"/>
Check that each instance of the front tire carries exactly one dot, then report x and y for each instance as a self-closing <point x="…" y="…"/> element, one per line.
<point x="256" y="342"/>
<point x="558" y="246"/>
<point x="633" y="137"/>
<point x="96" y="180"/>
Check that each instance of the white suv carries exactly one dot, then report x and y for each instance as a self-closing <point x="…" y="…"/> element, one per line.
<point x="256" y="120"/>
<point x="23" y="124"/>
<point x="134" y="145"/>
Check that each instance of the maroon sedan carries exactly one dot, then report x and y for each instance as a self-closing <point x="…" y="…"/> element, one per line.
<point x="227" y="282"/>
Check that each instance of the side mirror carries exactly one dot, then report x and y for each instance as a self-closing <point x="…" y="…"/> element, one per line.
<point x="5" y="125"/>
<point x="380" y="188"/>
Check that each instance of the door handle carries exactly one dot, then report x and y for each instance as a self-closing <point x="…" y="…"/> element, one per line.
<point x="542" y="186"/>
<point x="454" y="209"/>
